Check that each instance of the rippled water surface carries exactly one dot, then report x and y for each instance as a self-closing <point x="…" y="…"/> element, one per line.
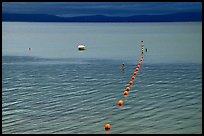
<point x="81" y="95"/>
<point x="54" y="88"/>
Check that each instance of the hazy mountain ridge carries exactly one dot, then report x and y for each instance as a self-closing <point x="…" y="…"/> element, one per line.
<point x="177" y="17"/>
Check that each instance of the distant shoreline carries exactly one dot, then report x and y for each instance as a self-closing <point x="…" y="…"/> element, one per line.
<point x="177" y="17"/>
<point x="103" y="22"/>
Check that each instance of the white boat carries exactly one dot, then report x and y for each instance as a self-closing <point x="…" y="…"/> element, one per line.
<point x="81" y="47"/>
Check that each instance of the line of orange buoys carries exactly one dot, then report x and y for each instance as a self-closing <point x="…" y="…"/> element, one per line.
<point x="127" y="90"/>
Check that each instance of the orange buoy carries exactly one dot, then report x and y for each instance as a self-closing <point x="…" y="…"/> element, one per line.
<point x="120" y="103"/>
<point x="140" y="62"/>
<point x="137" y="69"/>
<point x="135" y="73"/>
<point x="138" y="66"/>
<point x="107" y="127"/>
<point x="133" y="78"/>
<point x="128" y="89"/>
<point x="125" y="93"/>
<point x="130" y="83"/>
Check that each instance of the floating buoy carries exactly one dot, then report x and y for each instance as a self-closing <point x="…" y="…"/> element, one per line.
<point x="29" y="49"/>
<point x="130" y="83"/>
<point x="142" y="44"/>
<point x="107" y="127"/>
<point x="133" y="78"/>
<point x="120" y="103"/>
<point x="125" y="93"/>
<point x="128" y="89"/>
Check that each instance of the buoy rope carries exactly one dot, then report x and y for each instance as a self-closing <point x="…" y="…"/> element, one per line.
<point x="120" y="102"/>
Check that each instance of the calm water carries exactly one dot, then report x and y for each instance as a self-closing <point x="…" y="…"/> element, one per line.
<point x="166" y="42"/>
<point x="57" y="89"/>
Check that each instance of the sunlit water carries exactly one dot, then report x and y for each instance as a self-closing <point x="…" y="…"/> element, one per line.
<point x="54" y="88"/>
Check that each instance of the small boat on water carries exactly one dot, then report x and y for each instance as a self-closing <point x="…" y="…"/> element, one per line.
<point x="81" y="47"/>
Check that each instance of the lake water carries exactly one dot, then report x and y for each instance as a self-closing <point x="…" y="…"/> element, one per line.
<point x="166" y="42"/>
<point x="54" y="88"/>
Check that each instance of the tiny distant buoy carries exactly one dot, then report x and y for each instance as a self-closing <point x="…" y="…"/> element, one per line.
<point x="140" y="63"/>
<point x="128" y="89"/>
<point x="138" y="66"/>
<point x="133" y="78"/>
<point x="142" y="44"/>
<point x="29" y="49"/>
<point x="126" y="93"/>
<point x="130" y="83"/>
<point x="107" y="127"/>
<point x="120" y="103"/>
<point x="135" y="73"/>
<point x="137" y="69"/>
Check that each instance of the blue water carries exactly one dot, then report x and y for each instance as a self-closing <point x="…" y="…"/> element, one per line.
<point x="78" y="92"/>
<point x="49" y="96"/>
<point x="166" y="42"/>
